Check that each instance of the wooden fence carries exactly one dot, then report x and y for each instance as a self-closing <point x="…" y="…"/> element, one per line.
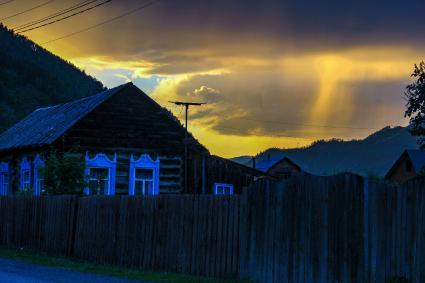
<point x="308" y="229"/>
<point x="333" y="229"/>
<point x="184" y="234"/>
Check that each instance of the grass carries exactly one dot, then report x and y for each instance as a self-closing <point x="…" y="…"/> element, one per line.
<point x="111" y="270"/>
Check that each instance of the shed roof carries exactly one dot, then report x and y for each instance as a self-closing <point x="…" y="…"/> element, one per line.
<point x="45" y="125"/>
<point x="268" y="164"/>
<point x="283" y="160"/>
<point x="265" y="164"/>
<point x="417" y="157"/>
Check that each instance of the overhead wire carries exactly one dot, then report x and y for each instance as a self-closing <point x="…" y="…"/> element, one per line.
<point x="54" y="15"/>
<point x="307" y="125"/>
<point x="66" y="17"/>
<point x="102" y="23"/>
<point x="7" y="2"/>
<point x="240" y="131"/>
<point x="28" y="10"/>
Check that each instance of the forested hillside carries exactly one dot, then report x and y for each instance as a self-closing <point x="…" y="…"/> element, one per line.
<point x="31" y="77"/>
<point x="373" y="155"/>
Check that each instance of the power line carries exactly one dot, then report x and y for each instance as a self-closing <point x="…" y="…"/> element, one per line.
<point x="28" y="10"/>
<point x="307" y="125"/>
<point x="25" y="29"/>
<point x="251" y="133"/>
<point x="102" y="23"/>
<point x="66" y="17"/>
<point x="240" y="131"/>
<point x="7" y="2"/>
<point x="54" y="15"/>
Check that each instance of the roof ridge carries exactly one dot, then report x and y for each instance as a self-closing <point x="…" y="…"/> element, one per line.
<point x="72" y="101"/>
<point x="85" y="97"/>
<point x="16" y="137"/>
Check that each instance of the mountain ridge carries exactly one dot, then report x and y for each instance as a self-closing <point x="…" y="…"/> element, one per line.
<point x="373" y="155"/>
<point x="32" y="77"/>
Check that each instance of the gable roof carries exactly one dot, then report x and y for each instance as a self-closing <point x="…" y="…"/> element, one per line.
<point x="417" y="157"/>
<point x="282" y="160"/>
<point x="45" y="125"/>
<point x="266" y="165"/>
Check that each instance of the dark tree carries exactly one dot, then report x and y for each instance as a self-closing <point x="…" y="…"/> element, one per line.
<point x="415" y="94"/>
<point x="32" y="77"/>
<point x="64" y="174"/>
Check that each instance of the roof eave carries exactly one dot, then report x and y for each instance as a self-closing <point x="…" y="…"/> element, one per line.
<point x="24" y="147"/>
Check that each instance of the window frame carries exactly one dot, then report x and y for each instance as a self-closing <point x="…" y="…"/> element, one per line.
<point x="4" y="182"/>
<point x="223" y="186"/>
<point x="25" y="166"/>
<point x="101" y="161"/>
<point x="144" y="181"/>
<point x="38" y="164"/>
<point x="144" y="162"/>
<point x="89" y="178"/>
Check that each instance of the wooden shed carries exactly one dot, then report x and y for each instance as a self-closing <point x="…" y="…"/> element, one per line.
<point x="281" y="168"/>
<point x="409" y="165"/>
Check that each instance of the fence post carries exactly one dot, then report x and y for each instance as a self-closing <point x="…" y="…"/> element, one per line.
<point x="73" y="225"/>
<point x="366" y="229"/>
<point x="244" y="236"/>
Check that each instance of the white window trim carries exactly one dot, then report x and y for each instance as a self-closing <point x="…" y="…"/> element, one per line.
<point x="4" y="168"/>
<point x="25" y="166"/>
<point x="144" y="162"/>
<point x="216" y="185"/>
<point x="102" y="161"/>
<point x="38" y="163"/>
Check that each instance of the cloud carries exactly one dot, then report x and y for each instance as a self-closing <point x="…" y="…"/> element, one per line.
<point x="208" y="94"/>
<point x="269" y="70"/>
<point x="296" y="95"/>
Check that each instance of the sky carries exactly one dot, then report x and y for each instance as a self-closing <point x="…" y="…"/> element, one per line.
<point x="273" y="73"/>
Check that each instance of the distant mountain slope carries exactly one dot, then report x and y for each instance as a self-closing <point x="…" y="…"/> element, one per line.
<point x="372" y="155"/>
<point x="31" y="77"/>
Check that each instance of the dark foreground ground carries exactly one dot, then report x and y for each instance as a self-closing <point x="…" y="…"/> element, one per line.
<point x="13" y="271"/>
<point x="22" y="265"/>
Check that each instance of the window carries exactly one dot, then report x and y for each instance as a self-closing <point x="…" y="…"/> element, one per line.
<point x="100" y="172"/>
<point x="143" y="181"/>
<point x="26" y="180"/>
<point x="4" y="178"/>
<point x="25" y="175"/>
<point x="408" y="166"/>
<point x="223" y="189"/>
<point x="144" y="176"/>
<point x="4" y="183"/>
<point x="38" y="175"/>
<point x="98" y="181"/>
<point x="39" y="181"/>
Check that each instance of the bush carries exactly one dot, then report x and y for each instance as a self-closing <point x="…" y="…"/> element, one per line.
<point x="24" y="192"/>
<point x="64" y="174"/>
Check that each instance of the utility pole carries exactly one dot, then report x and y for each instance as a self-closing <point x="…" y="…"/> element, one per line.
<point x="186" y="106"/>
